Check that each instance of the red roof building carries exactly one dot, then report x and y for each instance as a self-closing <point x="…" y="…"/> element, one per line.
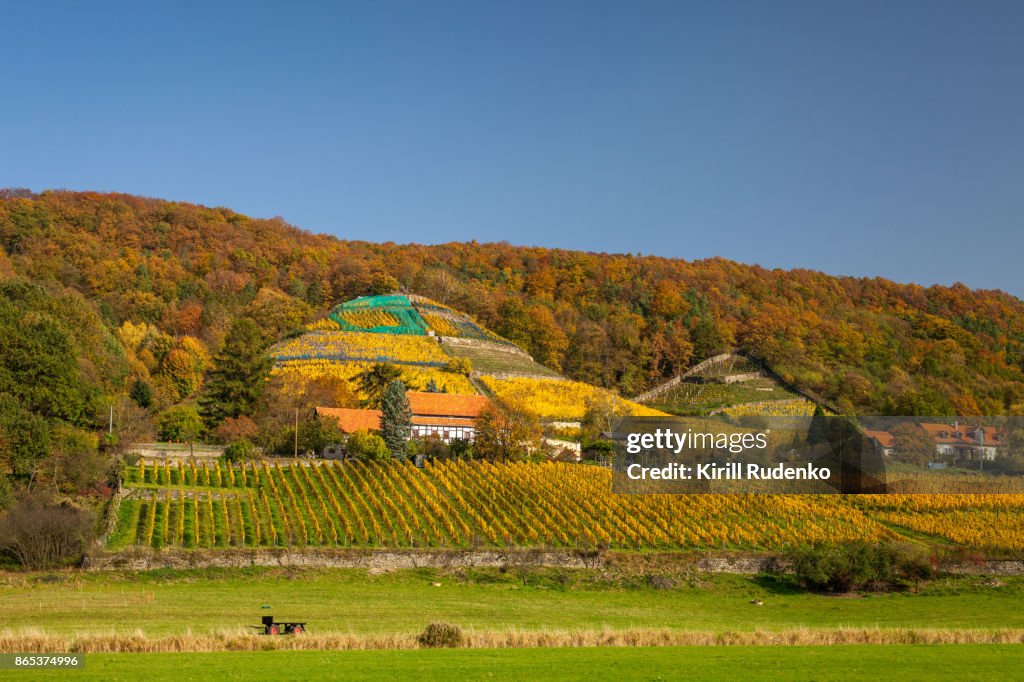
<point x="446" y="415"/>
<point x="958" y="442"/>
<point x="882" y="441"/>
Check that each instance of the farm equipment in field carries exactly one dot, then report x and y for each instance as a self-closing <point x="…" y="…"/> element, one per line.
<point x="270" y="627"/>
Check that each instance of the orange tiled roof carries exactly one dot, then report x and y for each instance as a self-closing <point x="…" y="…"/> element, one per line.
<point x="446" y="404"/>
<point x="426" y="412"/>
<point x="883" y="437"/>
<point x="967" y="433"/>
<point x="351" y="420"/>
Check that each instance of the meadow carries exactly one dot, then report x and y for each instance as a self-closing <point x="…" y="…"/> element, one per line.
<point x="555" y="624"/>
<point x="211" y="602"/>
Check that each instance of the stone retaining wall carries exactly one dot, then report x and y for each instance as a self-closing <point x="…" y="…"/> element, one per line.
<point x="141" y="559"/>
<point x="150" y="452"/>
<point x="379" y="560"/>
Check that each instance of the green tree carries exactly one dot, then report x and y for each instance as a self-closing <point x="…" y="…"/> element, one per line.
<point x="180" y="424"/>
<point x="240" y="451"/>
<point x="25" y="438"/>
<point x="316" y="434"/>
<point x="235" y="384"/>
<point x="461" y="448"/>
<point x="365" y="445"/>
<point x="373" y="382"/>
<point x="396" y="418"/>
<point x="38" y="357"/>
<point x="141" y="393"/>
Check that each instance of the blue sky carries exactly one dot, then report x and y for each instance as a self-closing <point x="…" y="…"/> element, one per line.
<point x="862" y="138"/>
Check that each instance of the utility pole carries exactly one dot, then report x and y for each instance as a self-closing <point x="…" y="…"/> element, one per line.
<point x="981" y="442"/>
<point x="110" y="429"/>
<point x="296" y="433"/>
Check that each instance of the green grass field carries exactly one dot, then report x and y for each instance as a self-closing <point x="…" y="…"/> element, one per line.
<point x="904" y="663"/>
<point x="162" y="603"/>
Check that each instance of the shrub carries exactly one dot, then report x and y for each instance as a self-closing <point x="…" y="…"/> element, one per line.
<point x="240" y="451"/>
<point x="915" y="565"/>
<point x="365" y="445"/>
<point x="180" y="424"/>
<point x="235" y="428"/>
<point x="40" y="535"/>
<point x="660" y="582"/>
<point x="439" y="635"/>
<point x="857" y="565"/>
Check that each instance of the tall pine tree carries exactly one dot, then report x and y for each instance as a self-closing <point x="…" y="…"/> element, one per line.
<point x="235" y="383"/>
<point x="396" y="418"/>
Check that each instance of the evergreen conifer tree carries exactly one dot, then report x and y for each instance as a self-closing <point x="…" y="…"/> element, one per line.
<point x="234" y="385"/>
<point x="396" y="418"/>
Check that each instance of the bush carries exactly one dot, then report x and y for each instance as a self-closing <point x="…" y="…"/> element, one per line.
<point x="366" y="445"/>
<point x="857" y="566"/>
<point x="180" y="424"/>
<point x="431" y="447"/>
<point x="240" y="451"/>
<point x="235" y="428"/>
<point x="38" y="535"/>
<point x="438" y="635"/>
<point x="916" y="565"/>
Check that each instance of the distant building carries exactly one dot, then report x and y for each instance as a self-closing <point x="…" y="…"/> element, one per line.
<point x="954" y="442"/>
<point x="882" y="440"/>
<point x="446" y="415"/>
<point x="965" y="443"/>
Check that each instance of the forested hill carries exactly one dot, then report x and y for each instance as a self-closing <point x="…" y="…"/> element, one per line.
<point x="621" y="321"/>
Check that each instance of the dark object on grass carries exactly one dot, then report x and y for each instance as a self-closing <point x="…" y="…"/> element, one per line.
<point x="270" y="627"/>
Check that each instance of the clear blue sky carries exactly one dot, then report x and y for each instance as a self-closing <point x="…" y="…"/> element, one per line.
<point x="863" y="138"/>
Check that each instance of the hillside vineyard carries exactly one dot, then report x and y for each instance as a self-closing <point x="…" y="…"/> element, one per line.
<point x="867" y="346"/>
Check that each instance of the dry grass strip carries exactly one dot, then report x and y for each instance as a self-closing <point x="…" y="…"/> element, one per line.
<point x="36" y="641"/>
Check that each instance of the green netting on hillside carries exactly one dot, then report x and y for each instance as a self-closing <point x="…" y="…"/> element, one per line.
<point x="379" y="314"/>
<point x="388" y="301"/>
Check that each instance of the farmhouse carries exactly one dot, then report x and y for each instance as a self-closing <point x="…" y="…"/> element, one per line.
<point x="965" y="443"/>
<point x="953" y="442"/>
<point x="445" y="415"/>
<point x="882" y="440"/>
